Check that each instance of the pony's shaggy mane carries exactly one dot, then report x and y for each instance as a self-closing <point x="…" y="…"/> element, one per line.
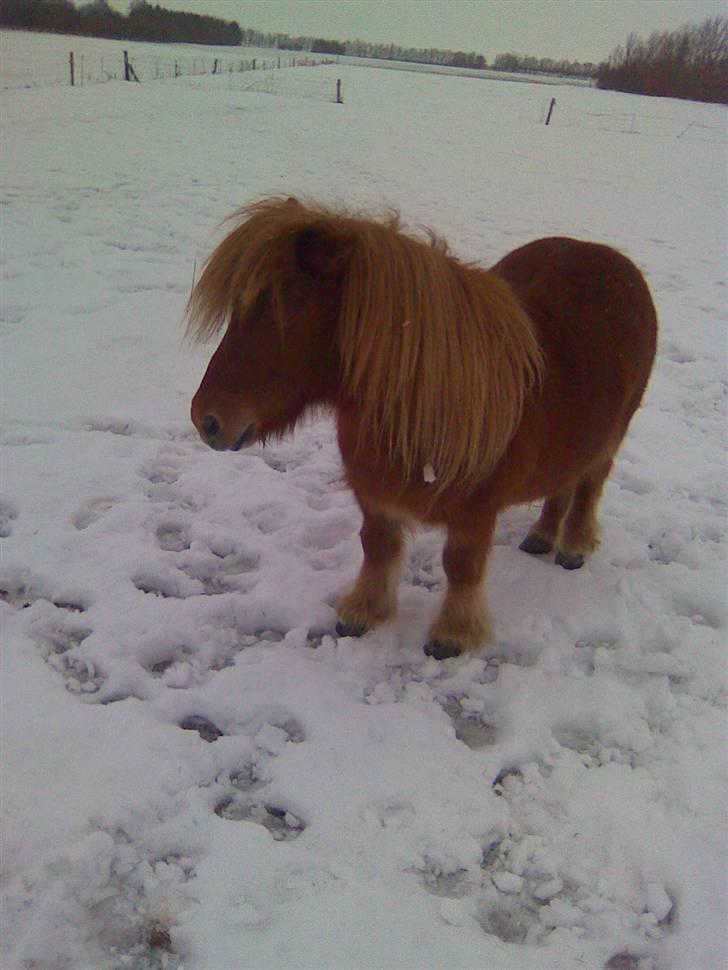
<point x="437" y="355"/>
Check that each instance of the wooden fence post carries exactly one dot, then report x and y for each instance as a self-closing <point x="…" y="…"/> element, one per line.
<point x="70" y="60"/>
<point x="339" y="99"/>
<point x="551" y="110"/>
<point x="129" y="72"/>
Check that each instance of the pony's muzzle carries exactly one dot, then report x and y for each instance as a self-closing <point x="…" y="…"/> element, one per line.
<point x="210" y="427"/>
<point x="213" y="434"/>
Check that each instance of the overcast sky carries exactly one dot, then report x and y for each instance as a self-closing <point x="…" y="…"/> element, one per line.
<point x="583" y="30"/>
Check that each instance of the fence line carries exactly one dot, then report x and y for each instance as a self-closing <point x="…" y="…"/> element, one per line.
<point x="149" y="68"/>
<point x="283" y="83"/>
<point x="83" y="69"/>
<point x="566" y="115"/>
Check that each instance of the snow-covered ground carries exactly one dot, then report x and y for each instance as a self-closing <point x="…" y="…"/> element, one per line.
<point x="197" y="773"/>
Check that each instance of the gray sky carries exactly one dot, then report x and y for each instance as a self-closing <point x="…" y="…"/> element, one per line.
<point x="583" y="30"/>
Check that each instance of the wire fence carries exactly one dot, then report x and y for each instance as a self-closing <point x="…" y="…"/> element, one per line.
<point x="289" y="84"/>
<point x="39" y="67"/>
<point x="149" y="68"/>
<point x="632" y="123"/>
<point x="666" y="125"/>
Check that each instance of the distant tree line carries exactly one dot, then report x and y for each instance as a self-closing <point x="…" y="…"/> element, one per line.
<point x="543" y="65"/>
<point x="691" y="63"/>
<point x="361" y="48"/>
<point x="392" y="52"/>
<point x="98" y="19"/>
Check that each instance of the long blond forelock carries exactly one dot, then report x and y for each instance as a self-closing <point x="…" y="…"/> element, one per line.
<point x="253" y="257"/>
<point x="438" y="355"/>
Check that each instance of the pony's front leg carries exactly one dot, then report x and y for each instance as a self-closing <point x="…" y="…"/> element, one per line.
<point x="373" y="598"/>
<point x="463" y="623"/>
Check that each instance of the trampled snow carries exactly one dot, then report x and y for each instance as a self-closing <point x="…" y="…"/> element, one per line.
<point x="197" y="772"/>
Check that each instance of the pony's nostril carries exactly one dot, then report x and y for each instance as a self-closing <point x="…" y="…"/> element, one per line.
<point x="210" y="426"/>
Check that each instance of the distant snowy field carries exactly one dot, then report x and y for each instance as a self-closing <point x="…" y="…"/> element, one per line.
<point x="196" y="772"/>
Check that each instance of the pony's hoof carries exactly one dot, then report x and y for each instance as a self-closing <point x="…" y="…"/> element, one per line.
<point x="442" y="649"/>
<point x="569" y="562"/>
<point x="534" y="545"/>
<point x="349" y="629"/>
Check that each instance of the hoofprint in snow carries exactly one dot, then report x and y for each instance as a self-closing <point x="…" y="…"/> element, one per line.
<point x="196" y="771"/>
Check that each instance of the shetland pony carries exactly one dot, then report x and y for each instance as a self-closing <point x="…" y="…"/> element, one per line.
<point x="457" y="390"/>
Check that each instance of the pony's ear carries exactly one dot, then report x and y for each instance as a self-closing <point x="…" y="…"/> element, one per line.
<point x="321" y="253"/>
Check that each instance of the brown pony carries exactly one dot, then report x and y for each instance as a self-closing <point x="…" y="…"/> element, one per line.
<point x="457" y="390"/>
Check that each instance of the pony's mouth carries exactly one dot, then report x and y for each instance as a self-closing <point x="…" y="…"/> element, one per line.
<point x="246" y="438"/>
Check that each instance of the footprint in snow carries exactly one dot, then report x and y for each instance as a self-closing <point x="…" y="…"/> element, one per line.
<point x="510" y="920"/>
<point x="474" y="729"/>
<point x="8" y="514"/>
<point x="391" y="816"/>
<point x="174" y="658"/>
<point x="166" y="584"/>
<point x="591" y="750"/>
<point x="635" y="484"/>
<point x="160" y="477"/>
<point x="19" y="593"/>
<point x="23" y="439"/>
<point x="161" y="473"/>
<point x="196" y="574"/>
<point x="11" y="315"/>
<point x="60" y="640"/>
<point x="327" y="532"/>
<point x="60" y="634"/>
<point x="205" y="728"/>
<point x="245" y="800"/>
<point x="172" y="536"/>
<point x="59" y="637"/>
<point x="157" y="473"/>
<point x="678" y="354"/>
<point x="275" y="463"/>
<point x="117" y="426"/>
<point x="448" y="884"/>
<point x="283" y="825"/>
<point x="623" y="961"/>
<point x="91" y="511"/>
<point x="530" y="889"/>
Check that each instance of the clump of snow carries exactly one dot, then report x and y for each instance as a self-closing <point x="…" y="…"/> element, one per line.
<point x="197" y="772"/>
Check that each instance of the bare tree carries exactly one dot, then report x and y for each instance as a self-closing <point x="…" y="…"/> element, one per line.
<point x="691" y="62"/>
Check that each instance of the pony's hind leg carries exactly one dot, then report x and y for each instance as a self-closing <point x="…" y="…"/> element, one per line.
<point x="542" y="537"/>
<point x="580" y="531"/>
<point x="373" y="598"/>
<point x="463" y="623"/>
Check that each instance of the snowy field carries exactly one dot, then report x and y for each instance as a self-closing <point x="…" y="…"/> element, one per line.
<point x="196" y="773"/>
